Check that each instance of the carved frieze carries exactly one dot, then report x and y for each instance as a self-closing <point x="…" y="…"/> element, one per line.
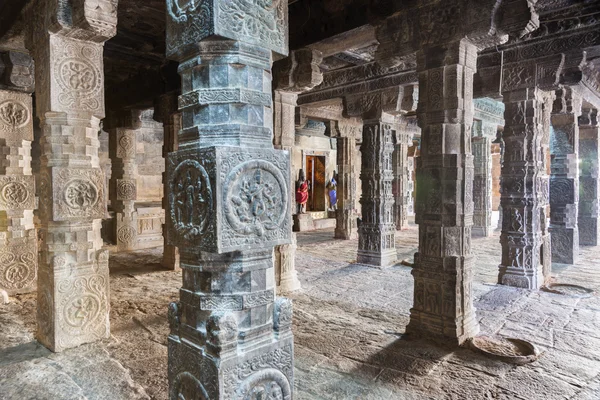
<point x="77" y="193"/>
<point x="256" y="22"/>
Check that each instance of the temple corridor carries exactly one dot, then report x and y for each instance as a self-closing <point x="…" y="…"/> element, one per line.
<point x="348" y="327"/>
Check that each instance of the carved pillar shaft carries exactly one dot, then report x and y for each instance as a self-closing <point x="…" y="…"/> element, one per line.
<point x="589" y="187"/>
<point x="345" y="226"/>
<point x="482" y="186"/>
<point x="376" y="234"/>
<point x="401" y="184"/>
<point x="564" y="179"/>
<point x="443" y="305"/>
<point x="229" y="198"/>
<point x="524" y="196"/>
<point x="73" y="283"/>
<point x="284" y="135"/>
<point x="18" y="239"/>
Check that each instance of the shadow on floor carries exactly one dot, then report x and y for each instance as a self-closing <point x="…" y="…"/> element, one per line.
<point x="23" y="352"/>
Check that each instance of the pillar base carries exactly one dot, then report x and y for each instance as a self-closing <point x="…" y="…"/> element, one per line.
<point x="517" y="277"/>
<point x="565" y="245"/>
<point x="303" y="223"/>
<point x="387" y="258"/>
<point x="443" y="330"/>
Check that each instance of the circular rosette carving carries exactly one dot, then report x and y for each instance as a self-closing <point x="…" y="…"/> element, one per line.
<point x="19" y="270"/>
<point x="82" y="310"/>
<point x="14" y="194"/>
<point x="191" y="200"/>
<point x="80" y="194"/>
<point x="268" y="384"/>
<point x="126" y="190"/>
<point x="13" y="115"/>
<point x="126" y="234"/>
<point x="79" y="79"/>
<point x="187" y="387"/>
<point x="255" y="198"/>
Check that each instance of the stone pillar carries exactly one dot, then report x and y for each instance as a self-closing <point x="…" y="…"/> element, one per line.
<point x="443" y="303"/>
<point x="524" y="196"/>
<point x="18" y="239"/>
<point x="401" y="186"/>
<point x="376" y="234"/>
<point x="123" y="182"/>
<point x="589" y="187"/>
<point x="482" y="184"/>
<point x="345" y="226"/>
<point x="73" y="284"/>
<point x="564" y="179"/>
<point x="165" y="111"/>
<point x="293" y="75"/>
<point x="229" y="198"/>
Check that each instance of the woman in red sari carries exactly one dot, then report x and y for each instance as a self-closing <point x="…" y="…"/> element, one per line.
<point x="301" y="193"/>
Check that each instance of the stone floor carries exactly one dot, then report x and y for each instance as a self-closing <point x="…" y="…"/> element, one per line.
<point x="348" y="327"/>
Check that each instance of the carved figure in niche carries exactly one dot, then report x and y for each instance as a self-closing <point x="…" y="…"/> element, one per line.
<point x="332" y="189"/>
<point x="302" y="188"/>
<point x="191" y="199"/>
<point x="13" y="115"/>
<point x="80" y="194"/>
<point x="15" y="193"/>
<point x="257" y="199"/>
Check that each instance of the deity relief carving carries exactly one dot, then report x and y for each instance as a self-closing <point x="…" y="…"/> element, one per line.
<point x="256" y="200"/>
<point x="13" y="115"/>
<point x="18" y="267"/>
<point x="191" y="200"/>
<point x="16" y="192"/>
<point x="77" y="193"/>
<point x="269" y="384"/>
<point x="77" y="73"/>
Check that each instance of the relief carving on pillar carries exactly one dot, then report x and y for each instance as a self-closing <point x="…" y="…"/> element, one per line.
<point x="126" y="143"/>
<point x="77" y="193"/>
<point x="17" y="192"/>
<point x="18" y="264"/>
<point x="77" y="74"/>
<point x="15" y="116"/>
<point x="126" y="189"/>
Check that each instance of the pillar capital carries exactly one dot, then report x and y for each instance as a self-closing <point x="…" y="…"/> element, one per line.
<point x="298" y="72"/>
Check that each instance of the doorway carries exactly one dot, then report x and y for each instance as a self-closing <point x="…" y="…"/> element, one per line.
<point x="315" y="173"/>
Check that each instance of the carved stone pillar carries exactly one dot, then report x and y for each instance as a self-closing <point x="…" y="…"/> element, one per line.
<point x="345" y="227"/>
<point x="165" y="111"/>
<point x="123" y="182"/>
<point x="229" y="198"/>
<point x="73" y="284"/>
<point x="376" y="234"/>
<point x="524" y="196"/>
<point x="293" y="75"/>
<point x="402" y="177"/>
<point x="443" y="305"/>
<point x="564" y="178"/>
<point x="18" y="239"/>
<point x="589" y="187"/>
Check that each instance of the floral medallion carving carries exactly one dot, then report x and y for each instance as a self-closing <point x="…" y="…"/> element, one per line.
<point x="76" y="70"/>
<point x="18" y="265"/>
<point x="16" y="192"/>
<point x="126" y="235"/>
<point x="15" y="116"/>
<point x="255" y="198"/>
<point x="191" y="200"/>
<point x="126" y="189"/>
<point x="77" y="193"/>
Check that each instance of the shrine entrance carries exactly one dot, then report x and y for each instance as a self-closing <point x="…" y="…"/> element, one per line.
<point x="315" y="173"/>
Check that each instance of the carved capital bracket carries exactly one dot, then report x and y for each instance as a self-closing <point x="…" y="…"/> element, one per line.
<point x="567" y="101"/>
<point x="125" y="119"/>
<point x="372" y="106"/>
<point x="298" y="72"/>
<point x="16" y="71"/>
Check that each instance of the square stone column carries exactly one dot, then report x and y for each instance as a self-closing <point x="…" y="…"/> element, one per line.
<point x="589" y="187"/>
<point x="18" y="238"/>
<point x="73" y="283"/>
<point x="525" y="238"/>
<point x="401" y="186"/>
<point x="564" y="178"/>
<point x="443" y="303"/>
<point x="229" y="196"/>
<point x="165" y="111"/>
<point x="347" y="130"/>
<point x="482" y="185"/>
<point x="376" y="233"/>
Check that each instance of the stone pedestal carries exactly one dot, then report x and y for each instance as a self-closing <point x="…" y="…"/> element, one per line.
<point x="376" y="234"/>
<point x="525" y="239"/>
<point x="18" y="239"/>
<point x="285" y="268"/>
<point x="589" y="187"/>
<point x="303" y="223"/>
<point x="229" y="195"/>
<point x="443" y="302"/>
<point x="564" y="178"/>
